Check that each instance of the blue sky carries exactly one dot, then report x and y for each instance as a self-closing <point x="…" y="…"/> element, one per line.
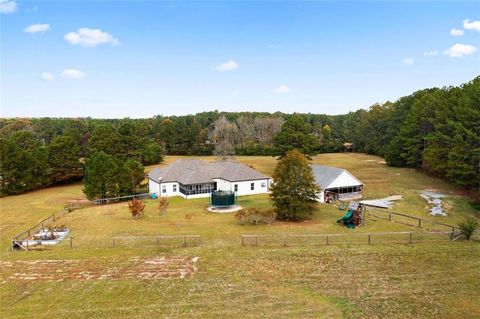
<point x="143" y="58"/>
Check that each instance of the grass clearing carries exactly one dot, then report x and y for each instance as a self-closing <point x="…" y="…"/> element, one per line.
<point x="427" y="280"/>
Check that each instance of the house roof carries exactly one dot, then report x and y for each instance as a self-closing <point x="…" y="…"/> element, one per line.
<point x="194" y="171"/>
<point x="326" y="175"/>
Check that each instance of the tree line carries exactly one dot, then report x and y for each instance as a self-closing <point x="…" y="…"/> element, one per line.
<point x="435" y="130"/>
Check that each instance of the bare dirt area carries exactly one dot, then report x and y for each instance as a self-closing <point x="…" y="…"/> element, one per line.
<point x="141" y="268"/>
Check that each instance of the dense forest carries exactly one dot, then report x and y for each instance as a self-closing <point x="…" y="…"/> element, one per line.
<point x="435" y="130"/>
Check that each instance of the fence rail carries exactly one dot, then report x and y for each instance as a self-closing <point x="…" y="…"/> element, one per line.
<point x="184" y="240"/>
<point x="19" y="238"/>
<point x="410" y="220"/>
<point x="101" y="201"/>
<point x="347" y="238"/>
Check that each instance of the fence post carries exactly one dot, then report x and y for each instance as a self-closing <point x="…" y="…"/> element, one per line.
<point x="53" y="217"/>
<point x="242" y="241"/>
<point x="71" y="242"/>
<point x="419" y="223"/>
<point x="185" y="241"/>
<point x="327" y="239"/>
<point x="284" y="240"/>
<point x="452" y="234"/>
<point x="113" y="241"/>
<point x="256" y="240"/>
<point x="369" y="238"/>
<point x="158" y="242"/>
<point x="390" y="216"/>
<point x="411" y="237"/>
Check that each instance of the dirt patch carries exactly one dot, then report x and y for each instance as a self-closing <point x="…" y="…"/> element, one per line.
<point x="138" y="268"/>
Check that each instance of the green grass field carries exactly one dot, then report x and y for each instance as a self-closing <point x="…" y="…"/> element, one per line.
<point x="436" y="279"/>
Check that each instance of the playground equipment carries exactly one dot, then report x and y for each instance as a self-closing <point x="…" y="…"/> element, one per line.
<point x="354" y="215"/>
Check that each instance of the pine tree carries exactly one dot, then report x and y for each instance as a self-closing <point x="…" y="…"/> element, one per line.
<point x="135" y="173"/>
<point x="295" y="191"/>
<point x="104" y="138"/>
<point x="64" y="158"/>
<point x="295" y="134"/>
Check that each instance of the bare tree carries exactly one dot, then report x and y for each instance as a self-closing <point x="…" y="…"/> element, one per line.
<point x="224" y="136"/>
<point x="266" y="128"/>
<point x="246" y="131"/>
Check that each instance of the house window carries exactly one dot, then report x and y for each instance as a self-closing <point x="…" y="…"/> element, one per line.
<point x="235" y="187"/>
<point x="252" y="186"/>
<point x="174" y="188"/>
<point x="164" y="188"/>
<point x="264" y="184"/>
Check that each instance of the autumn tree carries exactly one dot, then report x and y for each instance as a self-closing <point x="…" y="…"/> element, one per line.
<point x="294" y="192"/>
<point x="136" y="208"/>
<point x="162" y="206"/>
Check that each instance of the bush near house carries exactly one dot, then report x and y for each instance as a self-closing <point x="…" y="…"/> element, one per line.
<point x="136" y="207"/>
<point x="255" y="216"/>
<point x="468" y="227"/>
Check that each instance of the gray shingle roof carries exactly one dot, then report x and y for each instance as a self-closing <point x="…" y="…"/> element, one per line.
<point x="325" y="175"/>
<point x="194" y="171"/>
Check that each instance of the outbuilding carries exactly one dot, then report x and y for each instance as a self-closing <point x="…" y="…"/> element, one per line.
<point x="336" y="184"/>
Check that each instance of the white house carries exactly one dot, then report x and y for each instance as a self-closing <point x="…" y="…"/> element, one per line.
<point x="336" y="184"/>
<point x="193" y="178"/>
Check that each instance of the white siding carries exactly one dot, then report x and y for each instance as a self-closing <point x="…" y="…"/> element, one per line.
<point x="244" y="188"/>
<point x="153" y="187"/>
<point x="157" y="188"/>
<point x="168" y="187"/>
<point x="321" y="197"/>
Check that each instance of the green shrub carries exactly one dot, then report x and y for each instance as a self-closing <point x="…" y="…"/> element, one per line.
<point x="468" y="227"/>
<point x="255" y="216"/>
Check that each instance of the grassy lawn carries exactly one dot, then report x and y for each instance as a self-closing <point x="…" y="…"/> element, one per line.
<point x="426" y="280"/>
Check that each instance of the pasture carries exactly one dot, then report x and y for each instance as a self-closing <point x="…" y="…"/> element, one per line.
<point x="220" y="277"/>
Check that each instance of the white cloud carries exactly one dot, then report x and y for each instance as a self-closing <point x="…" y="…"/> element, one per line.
<point x="34" y="28"/>
<point x="87" y="37"/>
<point x="458" y="50"/>
<point x="47" y="76"/>
<point x="430" y="53"/>
<point x="227" y="66"/>
<point x="282" y="89"/>
<point x="471" y="25"/>
<point x="408" y="61"/>
<point x="456" y="32"/>
<point x="8" y="6"/>
<point x="73" y="74"/>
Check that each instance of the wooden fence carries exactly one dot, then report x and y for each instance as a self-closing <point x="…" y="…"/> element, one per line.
<point x="102" y="201"/>
<point x="410" y="220"/>
<point x="163" y="240"/>
<point x="346" y="238"/>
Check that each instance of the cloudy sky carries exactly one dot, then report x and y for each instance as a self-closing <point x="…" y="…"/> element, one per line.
<point x="143" y="58"/>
